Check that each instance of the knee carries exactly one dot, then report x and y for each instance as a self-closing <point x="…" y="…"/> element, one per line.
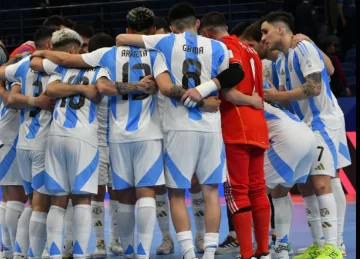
<point x="321" y="185"/>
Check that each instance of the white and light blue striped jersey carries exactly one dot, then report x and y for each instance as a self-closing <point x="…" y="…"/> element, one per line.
<point x="75" y="116"/>
<point x="317" y="112"/>
<point x="192" y="60"/>
<point x="9" y="121"/>
<point x="135" y="116"/>
<point x="270" y="72"/>
<point x="103" y="117"/>
<point x="35" y="122"/>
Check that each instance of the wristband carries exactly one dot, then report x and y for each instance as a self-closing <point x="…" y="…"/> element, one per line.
<point x="207" y="88"/>
<point x="31" y="101"/>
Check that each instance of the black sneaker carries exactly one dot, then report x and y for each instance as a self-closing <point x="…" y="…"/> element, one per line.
<point x="229" y="246"/>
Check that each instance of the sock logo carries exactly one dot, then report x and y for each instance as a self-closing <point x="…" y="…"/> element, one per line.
<point x="198" y="201"/>
<point x="199" y="214"/>
<point x="320" y="167"/>
<point x="326" y="225"/>
<point x="97" y="210"/>
<point x="308" y="212"/>
<point x="98" y="224"/>
<point x="162" y="214"/>
<point x="160" y="203"/>
<point x="279" y="248"/>
<point x="324" y="212"/>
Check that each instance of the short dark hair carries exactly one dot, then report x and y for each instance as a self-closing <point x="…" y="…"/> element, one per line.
<point x="55" y="21"/>
<point x="100" y="40"/>
<point x="140" y="19"/>
<point x="213" y="19"/>
<point x="41" y="34"/>
<point x="239" y="28"/>
<point x="280" y="16"/>
<point x="84" y="29"/>
<point x="161" y="23"/>
<point x="253" y="32"/>
<point x="182" y="15"/>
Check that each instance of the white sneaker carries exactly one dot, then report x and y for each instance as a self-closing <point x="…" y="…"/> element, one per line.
<point x="45" y="254"/>
<point x="343" y="249"/>
<point x="100" y="249"/>
<point x="291" y="251"/>
<point x="166" y="247"/>
<point x="67" y="251"/>
<point x="199" y="242"/>
<point x="19" y="256"/>
<point x="301" y="251"/>
<point x="88" y="256"/>
<point x="116" y="248"/>
<point x="264" y="256"/>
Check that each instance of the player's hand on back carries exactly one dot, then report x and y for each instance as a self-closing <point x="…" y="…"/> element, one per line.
<point x="298" y="38"/>
<point x="45" y="102"/>
<point x="211" y="104"/>
<point x="257" y="101"/>
<point x="148" y="85"/>
<point x="91" y="93"/>
<point x="37" y="53"/>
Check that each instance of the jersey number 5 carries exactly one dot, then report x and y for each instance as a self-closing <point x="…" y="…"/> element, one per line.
<point x="75" y="106"/>
<point x="37" y="110"/>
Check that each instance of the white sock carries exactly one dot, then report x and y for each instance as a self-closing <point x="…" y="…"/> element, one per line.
<point x="22" y="241"/>
<point x="82" y="229"/>
<point x="292" y="213"/>
<point x="282" y="220"/>
<point x="211" y="241"/>
<point x="186" y="243"/>
<point x="37" y="229"/>
<point x="314" y="220"/>
<point x="98" y="214"/>
<point x="68" y="223"/>
<point x="7" y="248"/>
<point x="327" y="205"/>
<point x="340" y="206"/>
<point x="114" y="231"/>
<point x="126" y="225"/>
<point x="2" y="216"/>
<point x="162" y="213"/>
<point x="54" y="230"/>
<point x="12" y="215"/>
<point x="198" y="208"/>
<point x="146" y="220"/>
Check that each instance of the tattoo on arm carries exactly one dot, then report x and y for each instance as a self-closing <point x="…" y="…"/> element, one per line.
<point x="13" y="60"/>
<point x="312" y="87"/>
<point x="200" y="104"/>
<point x="176" y="92"/>
<point x="124" y="88"/>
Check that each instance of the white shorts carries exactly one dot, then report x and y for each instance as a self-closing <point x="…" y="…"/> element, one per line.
<point x="289" y="159"/>
<point x="344" y="158"/>
<point x="32" y="170"/>
<point x="104" y="167"/>
<point x="200" y="152"/>
<point x="9" y="169"/>
<point x="138" y="164"/>
<point x="72" y="166"/>
<point x="330" y="147"/>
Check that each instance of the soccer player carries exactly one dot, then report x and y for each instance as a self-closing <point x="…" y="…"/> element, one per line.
<point x="185" y="54"/>
<point x="13" y="194"/>
<point x="86" y="32"/>
<point x="36" y="115"/>
<point x="102" y="40"/>
<point x="304" y="78"/>
<point x="245" y="187"/>
<point x="161" y="25"/>
<point x="72" y="155"/>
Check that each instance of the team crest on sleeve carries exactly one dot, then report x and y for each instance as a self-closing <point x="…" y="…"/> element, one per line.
<point x="290" y="65"/>
<point x="308" y="63"/>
